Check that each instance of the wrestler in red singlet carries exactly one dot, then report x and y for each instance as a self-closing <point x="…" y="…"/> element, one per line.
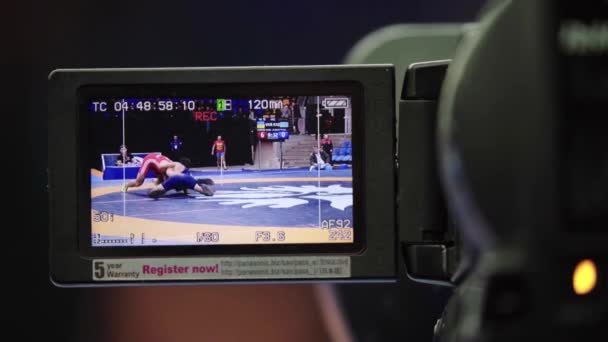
<point x="150" y="162"/>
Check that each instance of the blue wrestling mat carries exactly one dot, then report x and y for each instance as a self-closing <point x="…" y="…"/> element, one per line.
<point x="288" y="198"/>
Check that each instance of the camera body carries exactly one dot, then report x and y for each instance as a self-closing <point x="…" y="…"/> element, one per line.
<point x="508" y="199"/>
<point x="179" y="224"/>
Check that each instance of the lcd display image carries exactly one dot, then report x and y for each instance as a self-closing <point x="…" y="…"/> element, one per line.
<point x="218" y="166"/>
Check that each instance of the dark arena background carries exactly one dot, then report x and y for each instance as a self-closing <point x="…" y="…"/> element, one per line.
<point x="197" y="136"/>
<point x="198" y="129"/>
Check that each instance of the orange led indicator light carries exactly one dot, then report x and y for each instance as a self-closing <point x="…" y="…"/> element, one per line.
<point x="584" y="277"/>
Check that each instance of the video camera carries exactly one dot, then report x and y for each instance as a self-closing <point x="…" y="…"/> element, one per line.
<point x="487" y="171"/>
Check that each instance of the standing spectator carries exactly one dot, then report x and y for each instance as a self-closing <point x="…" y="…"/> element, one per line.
<point x="303" y="114"/>
<point x="286" y="115"/>
<point x="253" y="135"/>
<point x="295" y="110"/>
<point x="241" y="114"/>
<point x="219" y="148"/>
<point x="285" y="112"/>
<point x="327" y="121"/>
<point x="311" y="120"/>
<point x="328" y="146"/>
<point x="319" y="160"/>
<point x="175" y="147"/>
<point x="278" y="115"/>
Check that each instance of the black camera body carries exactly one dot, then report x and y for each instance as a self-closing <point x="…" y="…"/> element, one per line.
<point x="523" y="167"/>
<point x="503" y="173"/>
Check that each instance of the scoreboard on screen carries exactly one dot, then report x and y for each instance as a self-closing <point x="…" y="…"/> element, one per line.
<point x="272" y="130"/>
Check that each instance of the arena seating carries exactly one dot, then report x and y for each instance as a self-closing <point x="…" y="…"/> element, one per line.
<point x="344" y="153"/>
<point x="111" y="171"/>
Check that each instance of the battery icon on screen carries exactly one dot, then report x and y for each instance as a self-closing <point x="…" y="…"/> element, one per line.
<point x="335" y="102"/>
<point x="223" y="105"/>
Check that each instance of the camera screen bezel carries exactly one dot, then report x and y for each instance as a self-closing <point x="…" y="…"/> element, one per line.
<point x="377" y="261"/>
